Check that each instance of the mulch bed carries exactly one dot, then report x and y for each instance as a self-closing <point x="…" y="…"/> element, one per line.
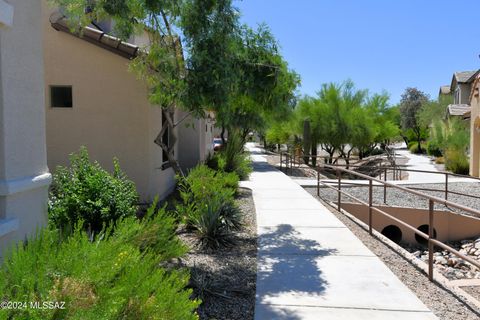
<point x="224" y="279"/>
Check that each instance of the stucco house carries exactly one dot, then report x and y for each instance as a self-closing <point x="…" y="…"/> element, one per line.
<point x="475" y="127"/>
<point x="24" y="176"/>
<point x="460" y="88"/>
<point x="93" y="100"/>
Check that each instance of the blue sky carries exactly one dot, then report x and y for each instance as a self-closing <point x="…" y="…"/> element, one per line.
<point x="379" y="44"/>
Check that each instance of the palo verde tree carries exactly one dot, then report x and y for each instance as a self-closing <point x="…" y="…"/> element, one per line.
<point x="218" y="64"/>
<point x="343" y="119"/>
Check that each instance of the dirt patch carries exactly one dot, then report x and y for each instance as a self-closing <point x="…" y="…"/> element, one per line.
<point x="225" y="279"/>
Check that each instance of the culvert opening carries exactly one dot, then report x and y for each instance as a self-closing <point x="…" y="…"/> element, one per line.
<point x="425" y="229"/>
<point x="393" y="233"/>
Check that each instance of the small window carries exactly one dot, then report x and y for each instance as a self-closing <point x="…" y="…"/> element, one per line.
<point x="61" y="96"/>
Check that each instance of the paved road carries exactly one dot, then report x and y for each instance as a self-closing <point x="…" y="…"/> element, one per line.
<point x="310" y="266"/>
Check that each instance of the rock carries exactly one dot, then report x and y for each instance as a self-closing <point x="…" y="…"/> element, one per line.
<point x="470" y="275"/>
<point x="472" y="250"/>
<point x="440" y="260"/>
<point x="437" y="254"/>
<point x="466" y="245"/>
<point x="417" y="254"/>
<point x="452" y="262"/>
<point x="477" y="245"/>
<point x="459" y="275"/>
<point x="424" y="257"/>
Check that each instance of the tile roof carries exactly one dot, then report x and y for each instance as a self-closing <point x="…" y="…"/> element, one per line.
<point x="445" y="89"/>
<point x="464" y="76"/>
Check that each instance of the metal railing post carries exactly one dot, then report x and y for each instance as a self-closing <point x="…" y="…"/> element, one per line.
<point x="318" y="182"/>
<point x="339" y="176"/>
<point x="370" y="202"/>
<point x="384" y="187"/>
<point x="431" y="235"/>
<point x="281" y="160"/>
<point x="446" y="185"/>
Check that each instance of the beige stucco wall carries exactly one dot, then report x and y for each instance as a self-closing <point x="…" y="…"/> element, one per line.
<point x="111" y="115"/>
<point x="24" y="176"/>
<point x="196" y="141"/>
<point x="475" y="134"/>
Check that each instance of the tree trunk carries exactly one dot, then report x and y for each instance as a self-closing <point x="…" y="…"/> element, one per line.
<point x="222" y="135"/>
<point x="307" y="140"/>
<point x="314" y="153"/>
<point x="419" y="137"/>
<point x="173" y="139"/>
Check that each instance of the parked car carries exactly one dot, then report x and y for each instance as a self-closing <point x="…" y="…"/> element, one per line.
<point x="217" y="144"/>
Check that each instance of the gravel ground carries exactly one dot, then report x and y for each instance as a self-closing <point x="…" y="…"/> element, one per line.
<point x="442" y="302"/>
<point x="473" y="291"/>
<point x="225" y="278"/>
<point x="401" y="198"/>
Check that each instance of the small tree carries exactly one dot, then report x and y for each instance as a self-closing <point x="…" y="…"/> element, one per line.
<point x="411" y="103"/>
<point x="227" y="67"/>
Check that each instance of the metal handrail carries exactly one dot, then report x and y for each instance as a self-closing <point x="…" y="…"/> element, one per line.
<point x="431" y="201"/>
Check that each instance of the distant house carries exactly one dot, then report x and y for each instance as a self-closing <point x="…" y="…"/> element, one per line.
<point x="460" y="88"/>
<point x="475" y="128"/>
<point x="93" y="100"/>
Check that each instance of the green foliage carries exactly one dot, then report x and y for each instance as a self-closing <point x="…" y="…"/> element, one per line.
<point x="235" y="158"/>
<point x="456" y="161"/>
<point x="87" y="192"/>
<point x="453" y="138"/>
<point x="413" y="147"/>
<point x="433" y="110"/>
<point x="279" y="133"/>
<point x="434" y="149"/>
<point x="155" y="233"/>
<point x="344" y="119"/>
<point x="208" y="205"/>
<point x="234" y="70"/>
<point x="231" y="159"/>
<point x="111" y="278"/>
<point x="412" y="102"/>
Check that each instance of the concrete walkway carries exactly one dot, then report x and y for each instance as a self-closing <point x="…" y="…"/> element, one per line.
<point x="310" y="266"/>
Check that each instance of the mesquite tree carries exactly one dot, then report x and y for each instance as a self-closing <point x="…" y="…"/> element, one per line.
<point x="218" y="64"/>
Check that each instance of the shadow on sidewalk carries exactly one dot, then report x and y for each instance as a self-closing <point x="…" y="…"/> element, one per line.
<point x="287" y="265"/>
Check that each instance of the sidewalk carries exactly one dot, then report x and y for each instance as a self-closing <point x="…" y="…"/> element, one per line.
<point x="415" y="162"/>
<point x="310" y="266"/>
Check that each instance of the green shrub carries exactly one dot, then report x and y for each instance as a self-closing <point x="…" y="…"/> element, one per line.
<point x="208" y="205"/>
<point x="110" y="278"/>
<point x="232" y="158"/>
<point x="203" y="183"/>
<point x="87" y="192"/>
<point x="155" y="233"/>
<point x="413" y="147"/>
<point x="456" y="161"/>
<point x="209" y="225"/>
<point x="434" y="149"/>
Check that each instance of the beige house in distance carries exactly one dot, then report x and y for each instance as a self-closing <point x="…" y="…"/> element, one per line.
<point x="93" y="100"/>
<point x="475" y="128"/>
